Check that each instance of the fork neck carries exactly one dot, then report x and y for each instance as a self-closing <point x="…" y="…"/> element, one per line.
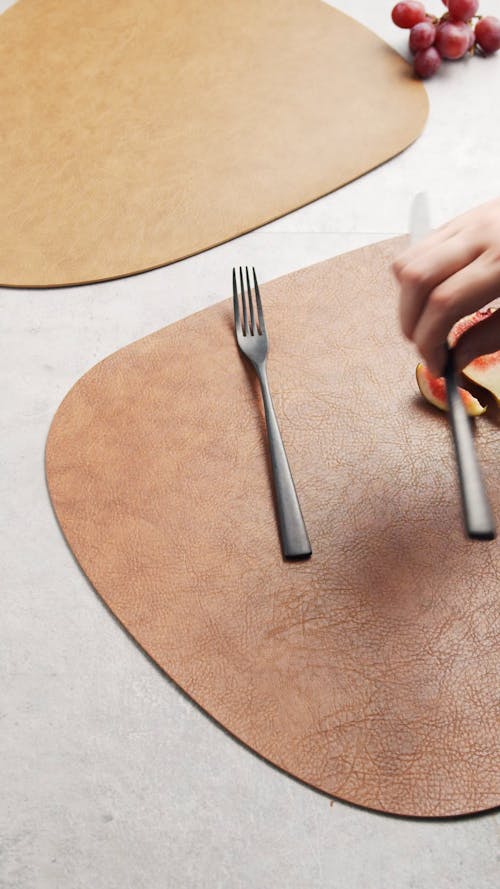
<point x="261" y="371"/>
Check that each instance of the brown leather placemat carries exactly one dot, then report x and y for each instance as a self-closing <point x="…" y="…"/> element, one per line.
<point x="139" y="132"/>
<point x="370" y="671"/>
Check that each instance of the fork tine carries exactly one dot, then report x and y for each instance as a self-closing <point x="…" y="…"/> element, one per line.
<point x="236" y="306"/>
<point x="244" y="304"/>
<point x="259" y="303"/>
<point x="253" y="328"/>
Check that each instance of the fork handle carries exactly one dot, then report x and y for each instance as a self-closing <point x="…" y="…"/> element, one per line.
<point x="294" y="540"/>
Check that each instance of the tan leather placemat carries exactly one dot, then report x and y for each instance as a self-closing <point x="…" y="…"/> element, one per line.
<point x="139" y="132"/>
<point x="370" y="671"/>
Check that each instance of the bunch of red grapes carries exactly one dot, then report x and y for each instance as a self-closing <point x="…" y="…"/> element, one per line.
<point x="458" y="32"/>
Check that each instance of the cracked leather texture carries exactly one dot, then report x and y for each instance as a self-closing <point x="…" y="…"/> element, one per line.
<point x="370" y="671"/>
<point x="139" y="132"/>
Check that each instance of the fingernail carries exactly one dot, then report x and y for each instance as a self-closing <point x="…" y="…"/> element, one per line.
<point x="441" y="361"/>
<point x="436" y="368"/>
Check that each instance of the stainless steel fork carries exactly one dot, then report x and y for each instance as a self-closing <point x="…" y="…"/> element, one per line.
<point x="252" y="340"/>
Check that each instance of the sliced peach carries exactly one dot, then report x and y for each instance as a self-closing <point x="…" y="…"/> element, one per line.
<point x="434" y="391"/>
<point x="485" y="371"/>
<point x="468" y="321"/>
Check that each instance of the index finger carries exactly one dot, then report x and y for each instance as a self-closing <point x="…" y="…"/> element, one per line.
<point x="429" y="268"/>
<point x="434" y="238"/>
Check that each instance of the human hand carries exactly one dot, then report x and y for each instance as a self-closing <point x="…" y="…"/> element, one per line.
<point x="451" y="273"/>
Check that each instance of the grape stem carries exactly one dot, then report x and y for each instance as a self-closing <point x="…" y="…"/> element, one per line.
<point x="446" y="16"/>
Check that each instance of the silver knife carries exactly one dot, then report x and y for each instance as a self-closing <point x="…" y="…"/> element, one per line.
<point x="478" y="518"/>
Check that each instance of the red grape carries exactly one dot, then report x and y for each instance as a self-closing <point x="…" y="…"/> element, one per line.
<point x="452" y="39"/>
<point x="427" y="62"/>
<point x="463" y="9"/>
<point x="407" y="14"/>
<point x="488" y="33"/>
<point x="422" y="36"/>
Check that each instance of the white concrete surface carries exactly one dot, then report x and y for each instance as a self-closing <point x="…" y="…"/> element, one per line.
<point x="110" y="778"/>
